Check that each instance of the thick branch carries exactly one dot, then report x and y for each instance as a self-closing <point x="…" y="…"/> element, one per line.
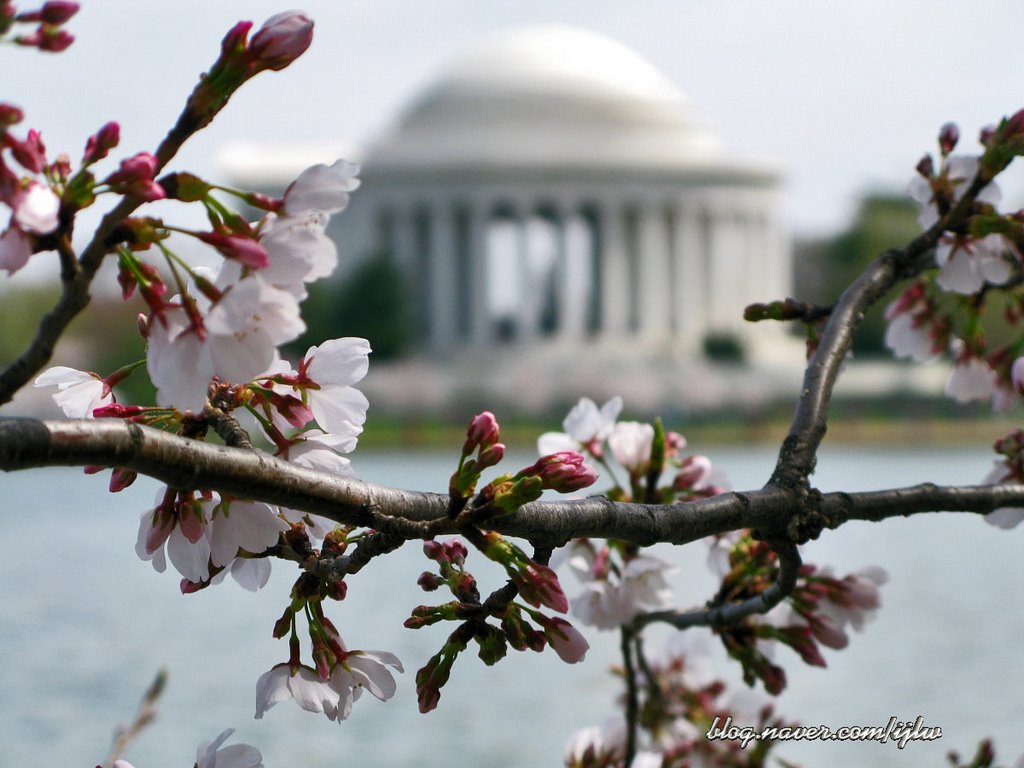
<point x="191" y="464"/>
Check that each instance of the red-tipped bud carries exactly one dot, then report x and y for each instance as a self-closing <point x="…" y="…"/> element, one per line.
<point x="565" y="472"/>
<point x="986" y="134"/>
<point x="435" y="550"/>
<point x="564" y="638"/>
<point x="538" y="585"/>
<point x="120" y="478"/>
<point x="1015" y="124"/>
<point x="925" y="167"/>
<point x="428" y="581"/>
<point x="100" y="143"/>
<point x="483" y="431"/>
<point x="456" y="551"/>
<point x="31" y="152"/>
<point x="244" y="249"/>
<point x="693" y="473"/>
<point x="10" y="115"/>
<point x="54" y="12"/>
<point x="949" y="135"/>
<point x="282" y="39"/>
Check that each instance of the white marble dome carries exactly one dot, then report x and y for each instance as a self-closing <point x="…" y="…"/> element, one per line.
<point x="548" y="96"/>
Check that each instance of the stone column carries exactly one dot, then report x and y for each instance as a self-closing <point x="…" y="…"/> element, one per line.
<point x="530" y="300"/>
<point x="442" y="308"/>
<point x="575" y="280"/>
<point x="690" y="276"/>
<point x="653" y="272"/>
<point x="725" y="265"/>
<point x="481" y="324"/>
<point x="615" y="280"/>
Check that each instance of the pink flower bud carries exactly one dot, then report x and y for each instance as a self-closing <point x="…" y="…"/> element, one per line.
<point x="120" y="478"/>
<point x="244" y="249"/>
<point x="538" y="585"/>
<point x="483" y="431"/>
<point x="100" y="143"/>
<point x="827" y="632"/>
<point x="456" y="551"/>
<point x="925" y="167"/>
<point x="491" y="456"/>
<point x="53" y="39"/>
<point x="282" y="39"/>
<point x="31" y="152"/>
<point x="1015" y="124"/>
<point x="435" y="550"/>
<point x="55" y="12"/>
<point x="565" y="471"/>
<point x="139" y="167"/>
<point x="693" y="473"/>
<point x="10" y="115"/>
<point x="428" y="581"/>
<point x="949" y="135"/>
<point x="565" y="639"/>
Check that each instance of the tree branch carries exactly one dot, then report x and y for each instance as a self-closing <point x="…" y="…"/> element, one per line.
<point x="192" y="464"/>
<point x="731" y="613"/>
<point x="799" y="450"/>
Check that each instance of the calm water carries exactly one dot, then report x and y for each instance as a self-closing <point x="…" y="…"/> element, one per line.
<point x="86" y="625"/>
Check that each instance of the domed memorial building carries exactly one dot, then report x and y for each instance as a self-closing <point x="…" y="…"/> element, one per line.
<point x="553" y="186"/>
<point x="552" y="191"/>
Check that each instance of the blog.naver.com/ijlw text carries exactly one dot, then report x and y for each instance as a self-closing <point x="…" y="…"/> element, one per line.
<point x="896" y="731"/>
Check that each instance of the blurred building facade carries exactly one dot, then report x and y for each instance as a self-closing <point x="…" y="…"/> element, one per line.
<point x="552" y="192"/>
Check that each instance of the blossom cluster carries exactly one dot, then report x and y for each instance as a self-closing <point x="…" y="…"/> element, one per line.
<point x="976" y="256"/>
<point x="619" y="581"/>
<point x="818" y="611"/>
<point x="679" y="699"/>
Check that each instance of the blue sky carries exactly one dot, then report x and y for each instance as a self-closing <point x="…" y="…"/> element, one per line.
<point x="848" y="95"/>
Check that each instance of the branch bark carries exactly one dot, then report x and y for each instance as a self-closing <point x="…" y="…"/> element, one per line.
<point x="190" y="464"/>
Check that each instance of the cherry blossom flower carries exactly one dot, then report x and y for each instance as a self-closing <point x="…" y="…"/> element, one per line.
<point x="647" y="759"/>
<point x="586" y="427"/>
<point x="211" y="754"/>
<point x="597" y="745"/>
<point x="613" y="597"/>
<point x="321" y="189"/>
<point x="79" y="393"/>
<point x="907" y="337"/>
<point x="968" y="262"/>
<point x="1003" y="517"/>
<point x="951" y="183"/>
<point x="630" y="443"/>
<point x="237" y="343"/>
<point x="298" y="248"/>
<point x="249" y="525"/>
<point x="913" y="330"/>
<point x="162" y="538"/>
<point x="15" y="250"/>
<point x="298" y="683"/>
<point x="971" y="379"/>
<point x="335" y="366"/>
<point x="856" y="598"/>
<point x="36" y="209"/>
<point x="361" y="670"/>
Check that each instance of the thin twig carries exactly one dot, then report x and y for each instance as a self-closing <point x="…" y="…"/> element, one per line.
<point x="143" y="717"/>
<point x="732" y="613"/>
